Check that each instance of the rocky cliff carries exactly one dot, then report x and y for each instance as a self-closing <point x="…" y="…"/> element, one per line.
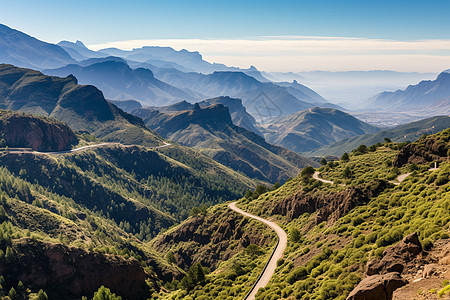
<point x="39" y="133"/>
<point x="72" y="272"/>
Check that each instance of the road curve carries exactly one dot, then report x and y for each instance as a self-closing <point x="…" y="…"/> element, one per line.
<point x="277" y="254"/>
<point x="316" y="177"/>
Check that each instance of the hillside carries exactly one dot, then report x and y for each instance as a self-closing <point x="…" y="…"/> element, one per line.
<point x="98" y="207"/>
<point x="362" y="227"/>
<point x="82" y="107"/>
<point x="211" y="131"/>
<point x="20" y="130"/>
<point x="314" y="128"/>
<point x="422" y="96"/>
<point x="118" y="81"/>
<point x="22" y="50"/>
<point x="402" y="133"/>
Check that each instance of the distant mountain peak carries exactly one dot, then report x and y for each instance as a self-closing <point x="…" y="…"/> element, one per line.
<point x="80" y="43"/>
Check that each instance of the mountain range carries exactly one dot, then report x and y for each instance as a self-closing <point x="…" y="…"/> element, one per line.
<point x="211" y="131"/>
<point x="82" y="107"/>
<point x="401" y="133"/>
<point x="120" y="82"/>
<point x="423" y="97"/>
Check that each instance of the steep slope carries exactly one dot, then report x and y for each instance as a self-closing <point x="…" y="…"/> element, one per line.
<point x="83" y="108"/>
<point x="20" y="130"/>
<point x="119" y="82"/>
<point x="211" y="130"/>
<point x="314" y="128"/>
<point x="22" y="50"/>
<point x="423" y="94"/>
<point x="401" y="133"/>
<point x="338" y="234"/>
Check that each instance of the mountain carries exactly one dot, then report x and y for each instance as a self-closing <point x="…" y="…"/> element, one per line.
<point x="302" y="92"/>
<point x="414" y="97"/>
<point x="211" y="131"/>
<point x="82" y="107"/>
<point x="79" y="51"/>
<point x="120" y="82"/>
<point x="262" y="99"/>
<point x="402" y="133"/>
<point x="22" y="50"/>
<point x="238" y="113"/>
<point x="19" y="130"/>
<point x="314" y="128"/>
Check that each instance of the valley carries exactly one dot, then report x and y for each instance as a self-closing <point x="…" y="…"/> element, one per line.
<point x="135" y="168"/>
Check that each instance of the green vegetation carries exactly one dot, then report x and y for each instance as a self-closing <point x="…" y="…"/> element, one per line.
<point x="326" y="259"/>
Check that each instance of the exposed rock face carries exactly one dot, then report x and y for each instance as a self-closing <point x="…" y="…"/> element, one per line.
<point x="73" y="272"/>
<point x="328" y="207"/>
<point x="43" y="134"/>
<point x="396" y="257"/>
<point x="422" y="151"/>
<point x="377" y="287"/>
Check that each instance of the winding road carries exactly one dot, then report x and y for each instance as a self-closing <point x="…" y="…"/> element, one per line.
<point x="271" y="265"/>
<point x="82" y="148"/>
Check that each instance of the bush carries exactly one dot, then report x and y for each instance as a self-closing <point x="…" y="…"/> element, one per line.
<point x="307" y="172"/>
<point x="298" y="274"/>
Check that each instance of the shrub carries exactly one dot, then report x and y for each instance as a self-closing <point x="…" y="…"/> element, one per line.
<point x="298" y="274"/>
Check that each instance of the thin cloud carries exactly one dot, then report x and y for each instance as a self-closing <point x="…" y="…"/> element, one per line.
<point x="303" y="53"/>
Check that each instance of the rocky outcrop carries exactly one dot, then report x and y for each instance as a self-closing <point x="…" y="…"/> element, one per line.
<point x="396" y="257"/>
<point x="65" y="272"/>
<point x="328" y="206"/>
<point x="377" y="287"/>
<point x="39" y="133"/>
<point x="432" y="148"/>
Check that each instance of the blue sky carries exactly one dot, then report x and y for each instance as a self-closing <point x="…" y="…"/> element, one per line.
<point x="103" y="22"/>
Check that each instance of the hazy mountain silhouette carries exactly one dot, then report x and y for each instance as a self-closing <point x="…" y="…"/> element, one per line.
<point x="79" y="51"/>
<point x="22" y="50"/>
<point x="119" y="82"/>
<point x="423" y="95"/>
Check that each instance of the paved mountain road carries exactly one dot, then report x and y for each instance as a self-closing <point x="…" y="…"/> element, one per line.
<point x="82" y="148"/>
<point x="277" y="254"/>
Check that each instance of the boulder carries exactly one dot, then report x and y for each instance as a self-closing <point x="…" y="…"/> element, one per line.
<point x="395" y="257"/>
<point x="377" y="287"/>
